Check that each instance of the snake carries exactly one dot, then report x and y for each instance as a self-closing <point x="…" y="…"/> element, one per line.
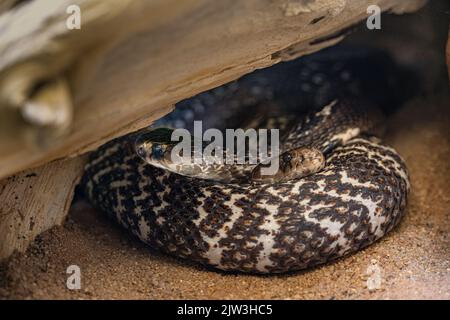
<point x="339" y="187"/>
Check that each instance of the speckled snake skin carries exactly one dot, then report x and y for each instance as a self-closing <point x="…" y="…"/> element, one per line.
<point x="356" y="199"/>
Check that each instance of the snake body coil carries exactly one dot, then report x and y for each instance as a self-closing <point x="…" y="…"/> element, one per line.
<point x="354" y="200"/>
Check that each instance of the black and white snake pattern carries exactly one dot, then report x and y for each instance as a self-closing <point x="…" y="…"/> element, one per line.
<point x="358" y="196"/>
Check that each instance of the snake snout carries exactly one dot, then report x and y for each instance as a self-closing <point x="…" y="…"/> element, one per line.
<point x="140" y="150"/>
<point x="303" y="161"/>
<point x="293" y="164"/>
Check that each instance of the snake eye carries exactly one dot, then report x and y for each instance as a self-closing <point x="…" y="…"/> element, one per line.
<point x="157" y="151"/>
<point x="287" y="157"/>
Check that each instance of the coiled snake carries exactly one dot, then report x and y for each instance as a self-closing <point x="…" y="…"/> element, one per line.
<point x="279" y="225"/>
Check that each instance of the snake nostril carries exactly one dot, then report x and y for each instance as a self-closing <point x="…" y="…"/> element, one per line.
<point x="141" y="151"/>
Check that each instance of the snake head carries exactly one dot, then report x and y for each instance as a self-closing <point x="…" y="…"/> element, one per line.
<point x="154" y="145"/>
<point x="293" y="164"/>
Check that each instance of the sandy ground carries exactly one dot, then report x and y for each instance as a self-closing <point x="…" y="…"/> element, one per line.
<point x="413" y="260"/>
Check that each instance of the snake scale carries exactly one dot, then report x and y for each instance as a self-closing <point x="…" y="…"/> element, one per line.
<point x="355" y="199"/>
